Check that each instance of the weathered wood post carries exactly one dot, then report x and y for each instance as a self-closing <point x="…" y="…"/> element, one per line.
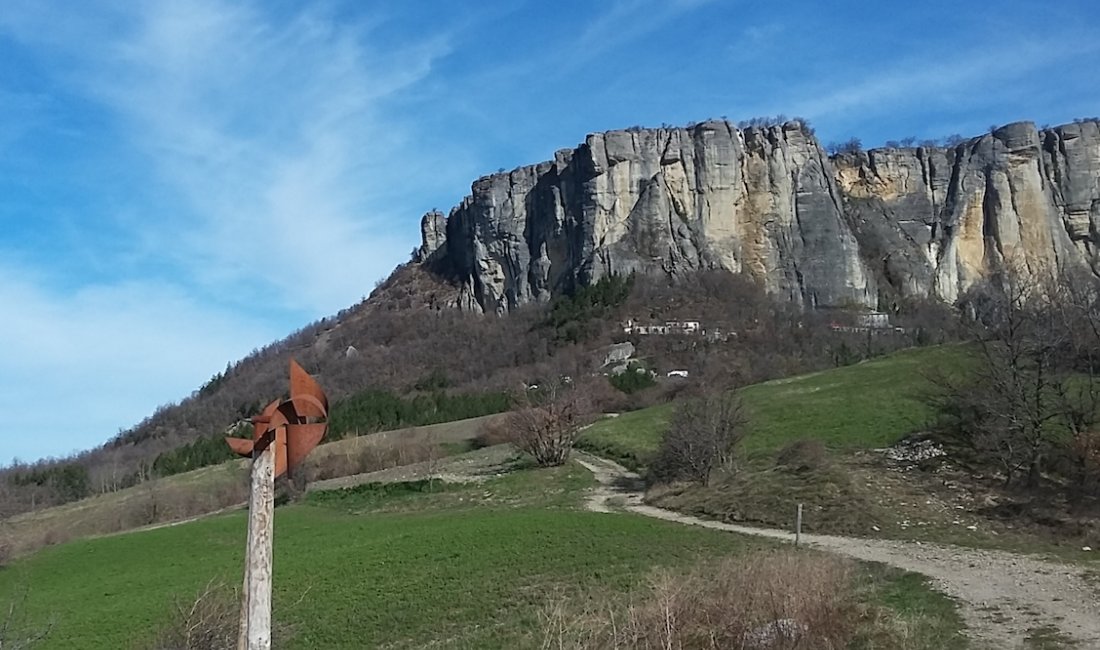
<point x="798" y="526"/>
<point x="258" y="555"/>
<point x="282" y="436"/>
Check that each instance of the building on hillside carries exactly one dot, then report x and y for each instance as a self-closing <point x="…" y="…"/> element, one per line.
<point x="715" y="334"/>
<point x="683" y="326"/>
<point x="873" y="320"/>
<point x="634" y="326"/>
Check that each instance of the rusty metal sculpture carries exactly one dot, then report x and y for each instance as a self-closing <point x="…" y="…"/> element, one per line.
<point x="282" y="435"/>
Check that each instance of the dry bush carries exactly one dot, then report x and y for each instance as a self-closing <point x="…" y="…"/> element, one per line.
<point x="882" y="627"/>
<point x="209" y="622"/>
<point x="547" y="421"/>
<point x="16" y="632"/>
<point x="802" y="455"/>
<point x="701" y="438"/>
<point x="371" y="456"/>
<point x="55" y="535"/>
<point x="160" y="501"/>
<point x="1084" y="454"/>
<point x="153" y="502"/>
<point x="783" y="600"/>
<point x="332" y="466"/>
<point x="494" y="432"/>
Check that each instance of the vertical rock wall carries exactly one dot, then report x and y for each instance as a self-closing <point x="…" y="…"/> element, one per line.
<point x="852" y="231"/>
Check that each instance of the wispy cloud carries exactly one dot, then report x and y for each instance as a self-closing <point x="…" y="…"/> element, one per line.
<point x="271" y="174"/>
<point x="606" y="28"/>
<point x="271" y="130"/>
<point x="249" y="165"/>
<point x="965" y="79"/>
<point x="288" y="180"/>
<point x="104" y="356"/>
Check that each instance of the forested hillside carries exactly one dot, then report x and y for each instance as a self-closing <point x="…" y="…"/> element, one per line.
<point x="400" y="359"/>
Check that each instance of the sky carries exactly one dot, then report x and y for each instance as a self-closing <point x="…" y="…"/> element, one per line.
<point x="182" y="182"/>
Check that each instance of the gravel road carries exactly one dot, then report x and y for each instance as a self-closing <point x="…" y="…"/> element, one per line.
<point x="1001" y="595"/>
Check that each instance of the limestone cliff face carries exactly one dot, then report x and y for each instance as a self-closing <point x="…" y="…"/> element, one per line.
<point x="854" y="230"/>
<point x="933" y="221"/>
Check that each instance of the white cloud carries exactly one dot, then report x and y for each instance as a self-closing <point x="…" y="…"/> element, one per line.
<point x="282" y="180"/>
<point x="963" y="80"/>
<point x="273" y="132"/>
<point x="79" y="366"/>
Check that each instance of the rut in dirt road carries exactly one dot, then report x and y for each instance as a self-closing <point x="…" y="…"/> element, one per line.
<point x="1001" y="595"/>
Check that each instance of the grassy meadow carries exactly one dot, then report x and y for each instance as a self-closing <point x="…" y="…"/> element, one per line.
<point x="867" y="405"/>
<point x="459" y="566"/>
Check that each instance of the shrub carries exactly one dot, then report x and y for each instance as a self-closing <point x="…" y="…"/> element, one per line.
<point x="633" y="379"/>
<point x="369" y="456"/>
<point x="778" y="600"/>
<point x="6" y="549"/>
<point x="209" y="622"/>
<point x="851" y="146"/>
<point x="16" y="631"/>
<point x="802" y="455"/>
<point x="701" y="438"/>
<point x="547" y="421"/>
<point x="494" y="432"/>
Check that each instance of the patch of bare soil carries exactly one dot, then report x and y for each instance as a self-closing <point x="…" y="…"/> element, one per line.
<point x="1004" y="597"/>
<point x="936" y="500"/>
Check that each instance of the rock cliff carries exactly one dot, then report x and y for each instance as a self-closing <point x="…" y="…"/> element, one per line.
<point x="854" y="229"/>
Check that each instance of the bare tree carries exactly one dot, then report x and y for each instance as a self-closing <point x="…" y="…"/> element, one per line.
<point x="433" y="463"/>
<point x="1076" y="303"/>
<point x="701" y="438"/>
<point x="1038" y="347"/>
<point x="547" y="420"/>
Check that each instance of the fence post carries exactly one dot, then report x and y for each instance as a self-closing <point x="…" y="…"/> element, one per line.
<point x="798" y="526"/>
<point x="256" y="626"/>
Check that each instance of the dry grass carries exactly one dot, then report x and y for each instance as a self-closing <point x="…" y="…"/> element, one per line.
<point x="209" y="622"/>
<point x="16" y="631"/>
<point x="803" y="455"/>
<point x="154" y="502"/>
<point x="494" y="432"/>
<point x="371" y="455"/>
<point x="778" y="600"/>
<point x="215" y="488"/>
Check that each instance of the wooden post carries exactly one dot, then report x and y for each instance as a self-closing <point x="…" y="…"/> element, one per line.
<point x="798" y="526"/>
<point x="255" y="627"/>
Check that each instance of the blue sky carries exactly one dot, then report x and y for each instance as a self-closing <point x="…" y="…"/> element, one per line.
<point x="158" y="159"/>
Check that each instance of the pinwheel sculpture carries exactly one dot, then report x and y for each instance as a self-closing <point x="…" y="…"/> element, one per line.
<point x="282" y="435"/>
<point x="294" y="425"/>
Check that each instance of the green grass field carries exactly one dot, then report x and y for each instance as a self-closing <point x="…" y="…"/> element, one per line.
<point x="199" y="491"/>
<point x="469" y="566"/>
<point x="867" y="405"/>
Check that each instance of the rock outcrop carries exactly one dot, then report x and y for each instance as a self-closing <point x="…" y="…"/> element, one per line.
<point x="855" y="229"/>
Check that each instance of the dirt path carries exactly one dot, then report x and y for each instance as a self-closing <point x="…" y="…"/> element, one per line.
<point x="1001" y="595"/>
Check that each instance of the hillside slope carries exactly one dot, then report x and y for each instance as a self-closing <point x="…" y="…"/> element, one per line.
<point x="482" y="565"/>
